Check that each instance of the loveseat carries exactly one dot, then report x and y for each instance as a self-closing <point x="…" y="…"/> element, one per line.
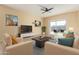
<point x="22" y="48"/>
<point x="56" y="49"/>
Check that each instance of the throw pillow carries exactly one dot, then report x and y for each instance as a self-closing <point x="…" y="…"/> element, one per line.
<point x="8" y="40"/>
<point x="14" y="40"/>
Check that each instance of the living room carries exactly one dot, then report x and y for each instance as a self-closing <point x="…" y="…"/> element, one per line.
<point x="36" y="19"/>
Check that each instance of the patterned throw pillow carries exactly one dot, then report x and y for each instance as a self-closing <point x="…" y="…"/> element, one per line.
<point x="14" y="40"/>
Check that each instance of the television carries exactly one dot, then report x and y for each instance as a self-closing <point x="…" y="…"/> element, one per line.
<point x="26" y="29"/>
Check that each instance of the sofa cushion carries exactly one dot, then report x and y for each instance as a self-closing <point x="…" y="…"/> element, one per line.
<point x="8" y="39"/>
<point x="56" y="49"/>
<point x="66" y="41"/>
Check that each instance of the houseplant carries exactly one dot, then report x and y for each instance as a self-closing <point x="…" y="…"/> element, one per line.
<point x="43" y="30"/>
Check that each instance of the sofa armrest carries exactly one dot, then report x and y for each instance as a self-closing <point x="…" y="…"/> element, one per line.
<point x="56" y="49"/>
<point x="23" y="48"/>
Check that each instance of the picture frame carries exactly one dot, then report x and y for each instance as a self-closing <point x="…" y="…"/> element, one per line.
<point x="11" y="20"/>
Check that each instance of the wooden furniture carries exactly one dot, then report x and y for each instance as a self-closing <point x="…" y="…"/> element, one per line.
<point x="40" y="41"/>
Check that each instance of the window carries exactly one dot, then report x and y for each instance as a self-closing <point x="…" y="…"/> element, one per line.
<point x="56" y="26"/>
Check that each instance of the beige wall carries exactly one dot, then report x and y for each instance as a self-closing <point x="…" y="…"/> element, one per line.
<point x="24" y="19"/>
<point x="71" y="18"/>
<point x="28" y="19"/>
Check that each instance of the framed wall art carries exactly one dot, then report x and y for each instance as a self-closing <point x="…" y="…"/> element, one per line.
<point x="11" y="20"/>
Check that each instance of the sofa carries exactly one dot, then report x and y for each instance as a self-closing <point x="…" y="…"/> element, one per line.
<point x="22" y="48"/>
<point x="56" y="49"/>
<point x="66" y="41"/>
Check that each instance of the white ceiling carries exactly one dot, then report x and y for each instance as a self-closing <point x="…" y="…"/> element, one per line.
<point x="36" y="9"/>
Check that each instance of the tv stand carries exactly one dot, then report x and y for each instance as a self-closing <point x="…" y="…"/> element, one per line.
<point x="24" y="35"/>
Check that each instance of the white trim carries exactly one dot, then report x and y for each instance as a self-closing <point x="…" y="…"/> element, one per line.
<point x="28" y="34"/>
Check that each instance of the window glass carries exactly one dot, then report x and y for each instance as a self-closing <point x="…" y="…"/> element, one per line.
<point x="56" y="26"/>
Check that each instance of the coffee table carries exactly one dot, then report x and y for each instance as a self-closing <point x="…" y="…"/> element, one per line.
<point x="40" y="41"/>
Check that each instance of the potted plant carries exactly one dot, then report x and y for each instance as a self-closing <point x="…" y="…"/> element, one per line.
<point x="43" y="30"/>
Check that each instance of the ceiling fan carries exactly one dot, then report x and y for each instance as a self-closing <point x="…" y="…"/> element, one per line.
<point x="45" y="9"/>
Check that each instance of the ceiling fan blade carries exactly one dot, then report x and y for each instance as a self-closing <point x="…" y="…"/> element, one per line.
<point x="50" y="8"/>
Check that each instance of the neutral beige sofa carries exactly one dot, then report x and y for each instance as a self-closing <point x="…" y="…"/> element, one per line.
<point x="23" y="48"/>
<point x="56" y="49"/>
